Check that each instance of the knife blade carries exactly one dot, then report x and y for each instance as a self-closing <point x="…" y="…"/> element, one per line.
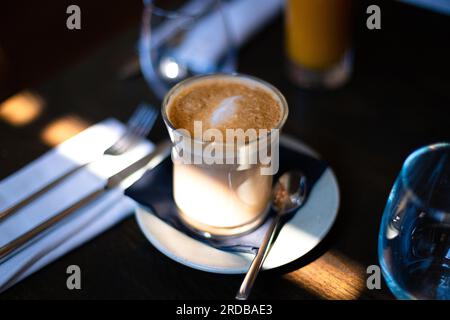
<point x="123" y="178"/>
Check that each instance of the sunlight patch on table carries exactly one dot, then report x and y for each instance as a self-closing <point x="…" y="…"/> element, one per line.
<point x="333" y="276"/>
<point x="22" y="108"/>
<point x="62" y="129"/>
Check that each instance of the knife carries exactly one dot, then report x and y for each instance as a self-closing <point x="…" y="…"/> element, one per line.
<point x="123" y="178"/>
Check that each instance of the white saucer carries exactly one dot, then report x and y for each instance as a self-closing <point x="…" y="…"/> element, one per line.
<point x="297" y="237"/>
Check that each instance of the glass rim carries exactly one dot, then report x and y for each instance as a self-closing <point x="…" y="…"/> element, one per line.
<point x="283" y="102"/>
<point x="405" y="167"/>
<point x="175" y="13"/>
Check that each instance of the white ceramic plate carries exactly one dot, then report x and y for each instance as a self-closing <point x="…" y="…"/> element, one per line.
<point x="297" y="237"/>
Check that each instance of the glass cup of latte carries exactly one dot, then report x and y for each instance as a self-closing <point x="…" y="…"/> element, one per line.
<point x="225" y="133"/>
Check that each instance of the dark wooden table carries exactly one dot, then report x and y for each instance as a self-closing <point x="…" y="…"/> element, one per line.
<point x="397" y="100"/>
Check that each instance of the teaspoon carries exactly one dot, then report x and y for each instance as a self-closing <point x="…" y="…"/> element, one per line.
<point x="288" y="195"/>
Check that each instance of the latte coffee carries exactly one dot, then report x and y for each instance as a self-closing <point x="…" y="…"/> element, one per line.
<point x="225" y="103"/>
<point x="225" y="198"/>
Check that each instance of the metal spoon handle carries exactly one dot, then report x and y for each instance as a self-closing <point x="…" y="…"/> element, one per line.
<point x="252" y="273"/>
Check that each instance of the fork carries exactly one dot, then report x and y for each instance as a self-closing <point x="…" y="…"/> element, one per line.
<point x="138" y="126"/>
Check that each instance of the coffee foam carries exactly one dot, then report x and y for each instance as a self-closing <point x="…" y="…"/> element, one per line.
<point x="224" y="102"/>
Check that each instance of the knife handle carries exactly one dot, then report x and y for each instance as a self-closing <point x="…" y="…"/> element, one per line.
<point x="18" y="244"/>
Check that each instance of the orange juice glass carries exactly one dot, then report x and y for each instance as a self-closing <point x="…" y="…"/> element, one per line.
<point x="318" y="42"/>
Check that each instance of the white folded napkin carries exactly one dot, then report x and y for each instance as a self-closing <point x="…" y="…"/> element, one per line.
<point x="81" y="226"/>
<point x="207" y="41"/>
